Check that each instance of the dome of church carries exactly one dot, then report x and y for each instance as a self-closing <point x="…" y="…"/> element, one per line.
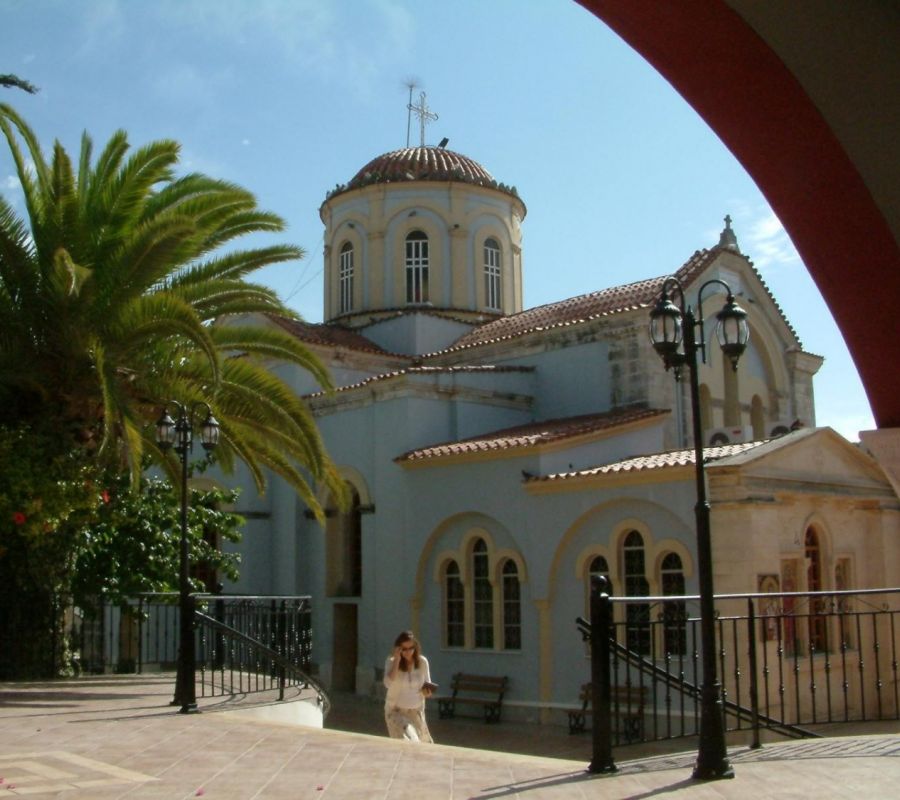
<point x="423" y="164"/>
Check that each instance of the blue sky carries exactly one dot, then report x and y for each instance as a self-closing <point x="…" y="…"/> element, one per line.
<point x="290" y="97"/>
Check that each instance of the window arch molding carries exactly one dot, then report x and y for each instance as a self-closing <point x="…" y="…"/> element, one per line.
<point x="347" y="278"/>
<point x="665" y="546"/>
<point x="487" y="619"/>
<point x="815" y="522"/>
<point x="621" y="530"/>
<point x="352" y="476"/>
<point x="398" y="228"/>
<point x="347" y="232"/>
<point x="484" y="230"/>
<point x="585" y="557"/>
<point x="501" y="557"/>
<point x="467" y="548"/>
<point x="492" y="266"/>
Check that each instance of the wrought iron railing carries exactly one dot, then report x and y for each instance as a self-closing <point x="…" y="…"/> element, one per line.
<point x="245" y="644"/>
<point x="786" y="662"/>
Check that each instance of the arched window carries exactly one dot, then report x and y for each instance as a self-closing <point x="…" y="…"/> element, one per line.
<point x="454" y="608"/>
<point x="482" y="601"/>
<point x="637" y="615"/>
<point x="512" y="610"/>
<point x="671" y="579"/>
<point x="417" y="267"/>
<point x="492" y="274"/>
<point x="813" y="553"/>
<point x="346" y="277"/>
<point x="599" y="566"/>
<point x="483" y="595"/>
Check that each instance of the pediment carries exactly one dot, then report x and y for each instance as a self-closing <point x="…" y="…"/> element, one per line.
<point x="811" y="456"/>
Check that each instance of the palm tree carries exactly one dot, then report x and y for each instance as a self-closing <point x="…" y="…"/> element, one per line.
<point x="15" y="82"/>
<point x="117" y="294"/>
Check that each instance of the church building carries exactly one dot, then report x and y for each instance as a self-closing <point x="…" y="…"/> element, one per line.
<point x="499" y="456"/>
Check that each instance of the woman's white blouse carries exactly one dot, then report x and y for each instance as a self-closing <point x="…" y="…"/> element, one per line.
<point x="405" y="690"/>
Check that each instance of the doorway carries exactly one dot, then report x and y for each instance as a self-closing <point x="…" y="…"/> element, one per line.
<point x="344" y="638"/>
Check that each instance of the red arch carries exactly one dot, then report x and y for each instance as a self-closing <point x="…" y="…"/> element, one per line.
<point x="744" y="91"/>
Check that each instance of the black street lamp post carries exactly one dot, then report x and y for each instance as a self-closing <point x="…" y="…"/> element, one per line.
<point x="179" y="433"/>
<point x="673" y="332"/>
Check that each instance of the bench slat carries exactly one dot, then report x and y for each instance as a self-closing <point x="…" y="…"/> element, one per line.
<point x="490" y="685"/>
<point x="627" y="703"/>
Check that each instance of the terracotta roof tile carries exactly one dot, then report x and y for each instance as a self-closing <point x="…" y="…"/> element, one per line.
<point x="422" y="164"/>
<point x="329" y="335"/>
<point x="534" y="434"/>
<point x="674" y="458"/>
<point x="585" y="307"/>
<point x="423" y="370"/>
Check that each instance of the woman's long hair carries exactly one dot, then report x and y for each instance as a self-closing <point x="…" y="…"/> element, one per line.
<point x="402" y="639"/>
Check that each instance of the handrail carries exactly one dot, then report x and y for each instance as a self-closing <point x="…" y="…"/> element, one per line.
<point x="691" y="690"/>
<point x="675" y="598"/>
<point x="274" y="655"/>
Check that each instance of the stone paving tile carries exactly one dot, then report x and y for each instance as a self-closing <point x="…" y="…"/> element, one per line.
<point x="75" y="736"/>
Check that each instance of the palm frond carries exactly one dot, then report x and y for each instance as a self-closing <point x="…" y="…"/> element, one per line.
<point x="238" y="263"/>
<point x="163" y="315"/>
<point x="271" y="343"/>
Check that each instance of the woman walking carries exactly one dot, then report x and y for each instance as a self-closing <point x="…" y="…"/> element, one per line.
<point x="408" y="681"/>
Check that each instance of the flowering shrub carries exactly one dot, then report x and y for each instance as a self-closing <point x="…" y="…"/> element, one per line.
<point x="71" y="532"/>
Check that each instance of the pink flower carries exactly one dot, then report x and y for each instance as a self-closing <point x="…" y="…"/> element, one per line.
<point x="19" y="518"/>
<point x="104" y="495"/>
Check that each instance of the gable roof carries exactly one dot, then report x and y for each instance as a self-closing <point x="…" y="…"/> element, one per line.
<point x="534" y="434"/>
<point x="756" y="456"/>
<point x="603" y="303"/>
<point x="654" y="461"/>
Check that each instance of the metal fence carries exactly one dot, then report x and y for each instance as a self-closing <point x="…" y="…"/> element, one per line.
<point x="786" y="662"/>
<point x="244" y="644"/>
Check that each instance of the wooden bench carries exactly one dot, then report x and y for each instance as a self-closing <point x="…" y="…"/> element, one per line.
<point x="626" y="703"/>
<point x="485" y="691"/>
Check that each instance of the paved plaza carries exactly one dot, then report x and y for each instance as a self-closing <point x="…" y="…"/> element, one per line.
<point x="109" y="737"/>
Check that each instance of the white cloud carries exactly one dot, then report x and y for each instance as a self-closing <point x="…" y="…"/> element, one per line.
<point x="767" y="243"/>
<point x="344" y="42"/>
<point x="12" y="183"/>
<point x="102" y="22"/>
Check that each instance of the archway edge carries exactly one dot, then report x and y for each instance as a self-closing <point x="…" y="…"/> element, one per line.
<point x="749" y="97"/>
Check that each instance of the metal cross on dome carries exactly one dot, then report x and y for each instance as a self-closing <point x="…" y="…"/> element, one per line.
<point x="424" y="114"/>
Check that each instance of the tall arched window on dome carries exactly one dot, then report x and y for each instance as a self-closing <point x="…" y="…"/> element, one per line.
<point x="492" y="274"/>
<point x="345" y="273"/>
<point x="417" y="267"/>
